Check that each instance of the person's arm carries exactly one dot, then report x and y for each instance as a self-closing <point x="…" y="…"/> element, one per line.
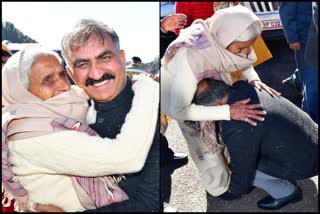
<point x="75" y="153"/>
<point x="251" y="75"/>
<point x="242" y="142"/>
<point x="143" y="188"/>
<point x="178" y="86"/>
<point x="173" y="22"/>
<point x="288" y="16"/>
<point x="167" y="28"/>
<point x="184" y="8"/>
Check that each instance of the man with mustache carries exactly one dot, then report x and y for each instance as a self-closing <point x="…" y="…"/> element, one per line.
<point x="96" y="63"/>
<point x="106" y="76"/>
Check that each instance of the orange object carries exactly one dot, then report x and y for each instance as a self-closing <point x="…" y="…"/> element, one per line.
<point x="261" y="50"/>
<point x="6" y="49"/>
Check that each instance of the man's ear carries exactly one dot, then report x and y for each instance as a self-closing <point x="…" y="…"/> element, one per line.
<point x="123" y="57"/>
<point x="220" y="102"/>
<point x="70" y="72"/>
<point x="217" y="103"/>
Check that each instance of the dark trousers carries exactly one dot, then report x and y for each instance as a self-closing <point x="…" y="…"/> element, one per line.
<point x="165" y="169"/>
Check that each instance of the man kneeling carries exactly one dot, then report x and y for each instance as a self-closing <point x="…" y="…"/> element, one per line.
<point x="271" y="155"/>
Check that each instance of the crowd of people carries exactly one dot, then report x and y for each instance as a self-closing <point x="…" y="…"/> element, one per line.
<point x="100" y="145"/>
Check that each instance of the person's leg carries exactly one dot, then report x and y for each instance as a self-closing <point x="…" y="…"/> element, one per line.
<point x="275" y="187"/>
<point x="294" y="82"/>
<point x="298" y="74"/>
<point x="167" y="154"/>
<point x="165" y="174"/>
<point x="311" y="92"/>
<point x="281" y="192"/>
<point x="171" y="158"/>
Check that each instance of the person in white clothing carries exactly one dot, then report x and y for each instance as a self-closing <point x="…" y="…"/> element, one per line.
<point x="216" y="47"/>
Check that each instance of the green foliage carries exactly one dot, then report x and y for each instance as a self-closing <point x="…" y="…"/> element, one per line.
<point x="14" y="35"/>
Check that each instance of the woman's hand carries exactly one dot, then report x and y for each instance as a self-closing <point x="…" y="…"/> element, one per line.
<point x="173" y="22"/>
<point x="241" y="111"/>
<point x="260" y="85"/>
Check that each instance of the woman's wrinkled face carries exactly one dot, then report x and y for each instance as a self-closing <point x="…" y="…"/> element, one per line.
<point x="48" y="78"/>
<point x="242" y="49"/>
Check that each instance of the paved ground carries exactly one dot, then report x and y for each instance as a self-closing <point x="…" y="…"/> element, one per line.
<point x="188" y="195"/>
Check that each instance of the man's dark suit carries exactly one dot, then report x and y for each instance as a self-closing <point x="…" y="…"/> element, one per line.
<point x="285" y="145"/>
<point x="141" y="187"/>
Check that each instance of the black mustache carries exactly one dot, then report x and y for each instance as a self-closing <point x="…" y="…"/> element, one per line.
<point x="106" y="76"/>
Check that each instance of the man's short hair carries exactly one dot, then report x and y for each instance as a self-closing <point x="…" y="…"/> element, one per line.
<point x="136" y="59"/>
<point x="209" y="91"/>
<point x="81" y="33"/>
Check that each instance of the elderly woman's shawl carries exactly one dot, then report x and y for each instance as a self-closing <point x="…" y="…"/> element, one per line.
<point x="27" y="116"/>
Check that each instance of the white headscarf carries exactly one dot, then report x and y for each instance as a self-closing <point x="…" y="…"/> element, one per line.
<point x="208" y="39"/>
<point x="37" y="114"/>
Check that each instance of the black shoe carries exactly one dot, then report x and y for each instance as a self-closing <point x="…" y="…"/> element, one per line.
<point x="270" y="203"/>
<point x="290" y="85"/>
<point x="179" y="159"/>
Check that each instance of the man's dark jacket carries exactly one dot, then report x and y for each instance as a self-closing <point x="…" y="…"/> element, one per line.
<point x="285" y="145"/>
<point x="141" y="187"/>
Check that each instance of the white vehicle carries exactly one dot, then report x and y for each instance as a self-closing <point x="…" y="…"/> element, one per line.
<point x="268" y="12"/>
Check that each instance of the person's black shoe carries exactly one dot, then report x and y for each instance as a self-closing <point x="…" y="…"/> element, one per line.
<point x="290" y="85"/>
<point x="269" y="203"/>
<point x="228" y="196"/>
<point x="179" y="159"/>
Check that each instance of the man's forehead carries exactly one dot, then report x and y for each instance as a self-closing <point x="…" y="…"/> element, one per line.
<point x="93" y="49"/>
<point x="94" y="39"/>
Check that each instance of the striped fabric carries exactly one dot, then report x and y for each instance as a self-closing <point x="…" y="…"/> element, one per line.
<point x="102" y="190"/>
<point x="11" y="188"/>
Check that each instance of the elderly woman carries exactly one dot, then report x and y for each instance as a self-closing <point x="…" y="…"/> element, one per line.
<point x="215" y="48"/>
<point x="45" y="162"/>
